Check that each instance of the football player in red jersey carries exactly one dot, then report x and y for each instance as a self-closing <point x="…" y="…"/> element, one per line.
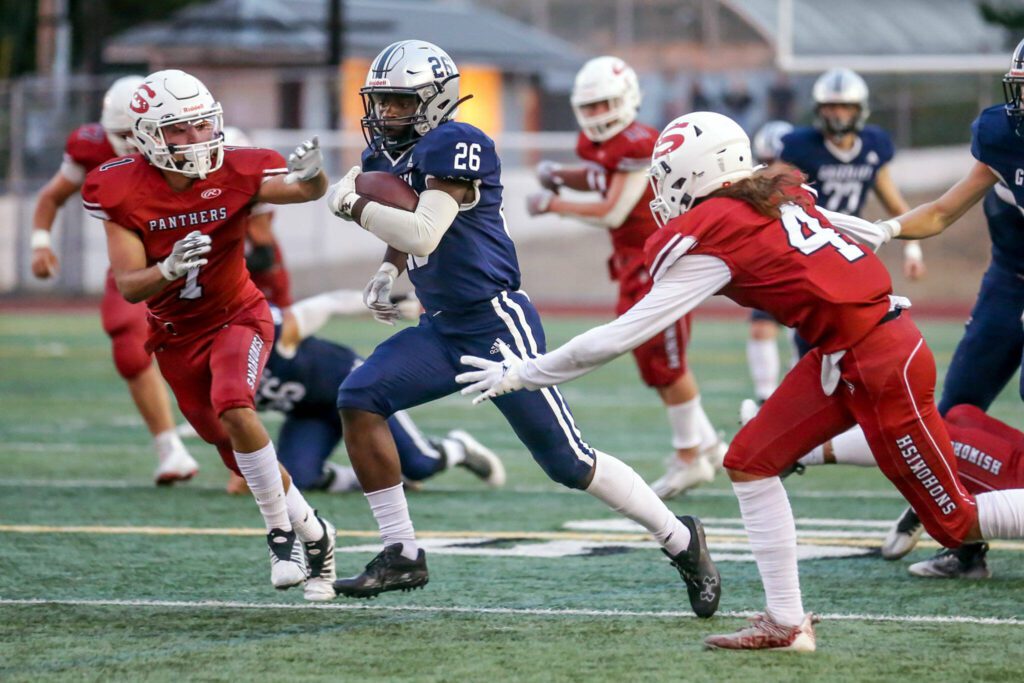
<point x="176" y="219"/>
<point x="87" y="147"/>
<point x="616" y="151"/>
<point x="758" y="238"/>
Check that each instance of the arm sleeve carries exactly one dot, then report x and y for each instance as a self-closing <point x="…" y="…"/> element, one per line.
<point x="685" y="284"/>
<point x="414" y="232"/>
<point x="873" y="235"/>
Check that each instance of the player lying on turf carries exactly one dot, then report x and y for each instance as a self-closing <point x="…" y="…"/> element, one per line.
<point x="758" y="238"/>
<point x="616" y="150"/>
<point x="301" y="380"/>
<point x="175" y="218"/>
<point x="462" y="262"/>
<point x="87" y="147"/>
<point x="990" y="457"/>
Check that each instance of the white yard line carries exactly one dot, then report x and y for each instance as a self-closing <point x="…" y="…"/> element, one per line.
<point x="223" y="605"/>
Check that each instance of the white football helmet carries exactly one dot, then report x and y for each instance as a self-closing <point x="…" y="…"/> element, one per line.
<point x="768" y="140"/>
<point x="1013" y="90"/>
<point x="174" y="97"/>
<point x="115" y="117"/>
<point x="611" y="80"/>
<point x="695" y="155"/>
<point x="236" y="137"/>
<point x="409" y="67"/>
<point x="840" y="86"/>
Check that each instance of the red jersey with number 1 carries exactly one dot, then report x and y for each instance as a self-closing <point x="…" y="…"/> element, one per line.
<point x="797" y="267"/>
<point x="134" y="194"/>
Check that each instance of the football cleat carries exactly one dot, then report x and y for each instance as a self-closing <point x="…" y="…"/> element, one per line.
<point x="903" y="536"/>
<point x="764" y="634"/>
<point x="479" y="459"/>
<point x="715" y="453"/>
<point x="175" y="465"/>
<point x="320" y="561"/>
<point x="338" y="479"/>
<point x="965" y="562"/>
<point x="287" y="561"/>
<point x="748" y="410"/>
<point x="682" y="476"/>
<point x="703" y="582"/>
<point x="797" y="468"/>
<point x="389" y="571"/>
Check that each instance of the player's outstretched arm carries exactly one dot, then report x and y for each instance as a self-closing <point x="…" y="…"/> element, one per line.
<point x="52" y="197"/>
<point x="682" y="287"/>
<point x="624" y="191"/>
<point x="935" y="216"/>
<point x="134" y="279"/>
<point x="305" y="180"/>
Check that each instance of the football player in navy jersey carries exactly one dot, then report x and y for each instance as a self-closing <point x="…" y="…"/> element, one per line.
<point x="992" y="348"/>
<point x="462" y="262"/>
<point x="844" y="158"/>
<point x="301" y="380"/>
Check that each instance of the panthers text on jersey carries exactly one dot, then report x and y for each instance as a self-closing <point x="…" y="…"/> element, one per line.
<point x="843" y="178"/>
<point x="133" y="194"/>
<point x="86" y="148"/>
<point x="476" y="258"/>
<point x="797" y="267"/>
<point x="995" y="144"/>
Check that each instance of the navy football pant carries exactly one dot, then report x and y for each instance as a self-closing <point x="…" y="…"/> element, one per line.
<point x="419" y="365"/>
<point x="305" y="443"/>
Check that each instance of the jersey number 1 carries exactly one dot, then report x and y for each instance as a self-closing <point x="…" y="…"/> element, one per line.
<point x="808" y="235"/>
<point x="192" y="288"/>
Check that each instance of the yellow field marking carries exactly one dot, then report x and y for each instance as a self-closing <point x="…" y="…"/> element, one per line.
<point x="866" y="542"/>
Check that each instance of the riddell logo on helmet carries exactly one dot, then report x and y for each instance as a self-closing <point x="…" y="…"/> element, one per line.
<point x="194" y="107"/>
<point x="378" y="82"/>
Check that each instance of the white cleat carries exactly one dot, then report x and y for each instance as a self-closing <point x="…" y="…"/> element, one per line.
<point x="682" y="476"/>
<point x="748" y="410"/>
<point x="764" y="634"/>
<point x="287" y="559"/>
<point x="175" y="465"/>
<point x="480" y="460"/>
<point x="715" y="453"/>
<point x="903" y="536"/>
<point x="320" y="560"/>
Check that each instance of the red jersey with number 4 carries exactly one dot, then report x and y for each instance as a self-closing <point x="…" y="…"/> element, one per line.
<point x="628" y="152"/>
<point x="797" y="267"/>
<point x="134" y="194"/>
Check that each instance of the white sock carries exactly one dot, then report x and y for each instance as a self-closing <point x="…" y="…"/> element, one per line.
<point x="708" y="434"/>
<point x="763" y="361"/>
<point x="303" y="517"/>
<point x="1001" y="513"/>
<point x="685" y="421"/>
<point x="167" y="443"/>
<point x="815" y="457"/>
<point x="392" y="514"/>
<point x="620" y="488"/>
<point x="851" y="448"/>
<point x="771" y="529"/>
<point x="263" y="475"/>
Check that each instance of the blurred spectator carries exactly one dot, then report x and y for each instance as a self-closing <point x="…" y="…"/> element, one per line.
<point x="781" y="98"/>
<point x="737" y="103"/>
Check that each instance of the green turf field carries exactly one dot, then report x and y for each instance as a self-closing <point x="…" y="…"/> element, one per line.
<point x="104" y="577"/>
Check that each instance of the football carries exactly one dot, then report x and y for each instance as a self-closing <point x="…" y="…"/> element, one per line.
<point x="387" y="189"/>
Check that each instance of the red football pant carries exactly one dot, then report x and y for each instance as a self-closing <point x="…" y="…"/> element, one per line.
<point x="214" y="370"/>
<point x="125" y="324"/>
<point x="887" y="387"/>
<point x="989" y="452"/>
<point x="662" y="358"/>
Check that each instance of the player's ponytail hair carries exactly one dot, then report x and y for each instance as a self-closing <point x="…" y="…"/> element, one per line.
<point x="768" y="188"/>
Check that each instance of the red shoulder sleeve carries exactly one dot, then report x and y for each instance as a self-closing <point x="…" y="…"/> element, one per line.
<point x="88" y="146"/>
<point x="107" y="190"/>
<point x="254" y="165"/>
<point x="667" y="246"/>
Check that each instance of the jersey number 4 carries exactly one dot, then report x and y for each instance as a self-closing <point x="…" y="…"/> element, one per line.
<point x="192" y="288"/>
<point x="807" y="235"/>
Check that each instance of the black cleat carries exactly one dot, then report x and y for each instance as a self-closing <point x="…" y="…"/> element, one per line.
<point x="965" y="562"/>
<point x="703" y="583"/>
<point x="796" y="468"/>
<point x="389" y="571"/>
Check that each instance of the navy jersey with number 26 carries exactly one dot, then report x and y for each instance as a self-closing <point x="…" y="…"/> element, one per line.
<point x="476" y="258"/>
<point x="843" y="178"/>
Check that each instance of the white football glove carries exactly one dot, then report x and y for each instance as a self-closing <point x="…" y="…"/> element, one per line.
<point x="493" y="378"/>
<point x="341" y="197"/>
<point x="185" y="255"/>
<point x="547" y="174"/>
<point x="377" y="295"/>
<point x="539" y="202"/>
<point x="306" y="162"/>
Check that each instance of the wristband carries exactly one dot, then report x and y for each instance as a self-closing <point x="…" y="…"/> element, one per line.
<point x="41" y="239"/>
<point x="348" y="203"/>
<point x="389" y="268"/>
<point x="913" y="252"/>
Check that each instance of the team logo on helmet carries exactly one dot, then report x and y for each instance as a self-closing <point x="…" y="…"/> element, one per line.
<point x="671" y="141"/>
<point x="139" y="103"/>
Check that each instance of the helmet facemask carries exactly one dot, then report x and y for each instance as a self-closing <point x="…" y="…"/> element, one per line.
<point x="835" y="126"/>
<point x="1013" y="90"/>
<point x="605" y="125"/>
<point x="435" y="105"/>
<point x="194" y="159"/>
